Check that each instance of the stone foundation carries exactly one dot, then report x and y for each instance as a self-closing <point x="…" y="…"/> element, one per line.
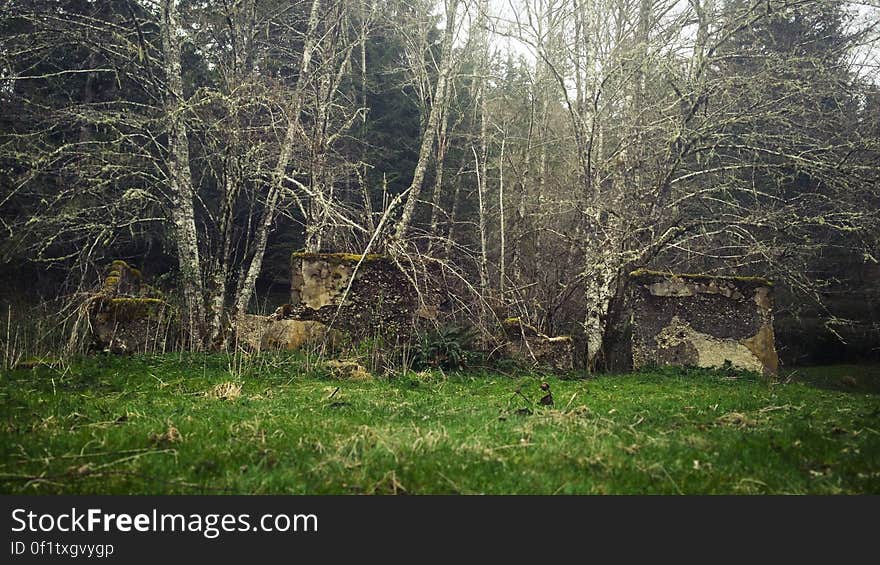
<point x="694" y="320"/>
<point x="260" y="333"/>
<point x="127" y="316"/>
<point x="381" y="302"/>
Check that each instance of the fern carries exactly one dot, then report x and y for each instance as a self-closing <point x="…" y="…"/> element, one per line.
<point x="447" y="347"/>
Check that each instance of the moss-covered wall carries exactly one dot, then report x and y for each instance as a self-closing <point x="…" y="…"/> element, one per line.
<point x="696" y="320"/>
<point x="121" y="280"/>
<point x="127" y="316"/>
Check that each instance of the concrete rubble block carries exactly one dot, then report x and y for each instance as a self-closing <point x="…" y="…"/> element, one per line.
<point x="529" y="346"/>
<point x="695" y="320"/>
<point x="363" y="296"/>
<point x="261" y="333"/>
<point x="127" y="316"/>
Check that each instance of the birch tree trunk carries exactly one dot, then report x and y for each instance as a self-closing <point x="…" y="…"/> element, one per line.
<point x="481" y="209"/>
<point x="482" y="162"/>
<point x="438" y="180"/>
<point x="438" y="108"/>
<point x="502" y="251"/>
<point x="600" y="287"/>
<point x="221" y="264"/>
<point x="179" y="176"/>
<point x="246" y="288"/>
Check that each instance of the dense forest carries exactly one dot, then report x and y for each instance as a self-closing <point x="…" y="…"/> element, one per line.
<point x="538" y="150"/>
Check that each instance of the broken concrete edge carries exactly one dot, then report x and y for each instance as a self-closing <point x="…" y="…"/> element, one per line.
<point x="767" y="355"/>
<point x="516" y="328"/>
<point x="708" y="351"/>
<point x="317" y="278"/>
<point x="338" y="257"/>
<point x="525" y="344"/>
<point x="647" y="273"/>
<point x="365" y="296"/>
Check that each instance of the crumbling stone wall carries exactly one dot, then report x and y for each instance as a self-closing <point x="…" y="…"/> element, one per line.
<point x="529" y="346"/>
<point x="382" y="301"/>
<point x="695" y="320"/>
<point x="126" y="315"/>
<point x="259" y="333"/>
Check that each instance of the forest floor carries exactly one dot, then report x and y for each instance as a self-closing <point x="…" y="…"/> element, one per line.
<point x="181" y="424"/>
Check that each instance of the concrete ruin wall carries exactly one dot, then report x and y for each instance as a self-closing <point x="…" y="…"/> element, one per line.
<point x="382" y="300"/>
<point x="260" y="333"/>
<point x="695" y="320"/>
<point x="126" y="315"/>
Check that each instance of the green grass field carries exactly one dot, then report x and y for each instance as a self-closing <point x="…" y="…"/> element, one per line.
<point x="165" y="424"/>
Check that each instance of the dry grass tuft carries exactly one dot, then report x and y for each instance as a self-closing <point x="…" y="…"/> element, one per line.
<point x="736" y="419"/>
<point x="225" y="391"/>
<point x="171" y="435"/>
<point x="348" y="370"/>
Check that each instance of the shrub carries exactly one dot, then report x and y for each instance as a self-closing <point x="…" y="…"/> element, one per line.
<point x="446" y="347"/>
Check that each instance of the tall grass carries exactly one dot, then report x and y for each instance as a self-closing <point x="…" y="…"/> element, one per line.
<point x="35" y="333"/>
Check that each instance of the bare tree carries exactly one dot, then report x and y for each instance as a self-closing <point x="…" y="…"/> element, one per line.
<point x="182" y="210"/>
<point x="439" y="103"/>
<point x="653" y="124"/>
<point x="215" y="148"/>
<point x="674" y="134"/>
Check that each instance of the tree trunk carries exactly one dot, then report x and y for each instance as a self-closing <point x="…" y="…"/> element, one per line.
<point x="437" y="109"/>
<point x="484" y="264"/>
<point x="438" y="181"/>
<point x="222" y="261"/>
<point x="522" y="225"/>
<point x="284" y="155"/>
<point x="600" y="289"/>
<point x="453" y="214"/>
<point x="482" y="164"/>
<point x="502" y="267"/>
<point x="182" y="209"/>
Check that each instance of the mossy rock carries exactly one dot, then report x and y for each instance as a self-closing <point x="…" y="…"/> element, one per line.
<point x="127" y="309"/>
<point x="337" y="257"/>
<point x="121" y="279"/>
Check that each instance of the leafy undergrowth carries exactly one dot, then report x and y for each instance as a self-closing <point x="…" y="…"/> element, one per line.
<point x="217" y="424"/>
